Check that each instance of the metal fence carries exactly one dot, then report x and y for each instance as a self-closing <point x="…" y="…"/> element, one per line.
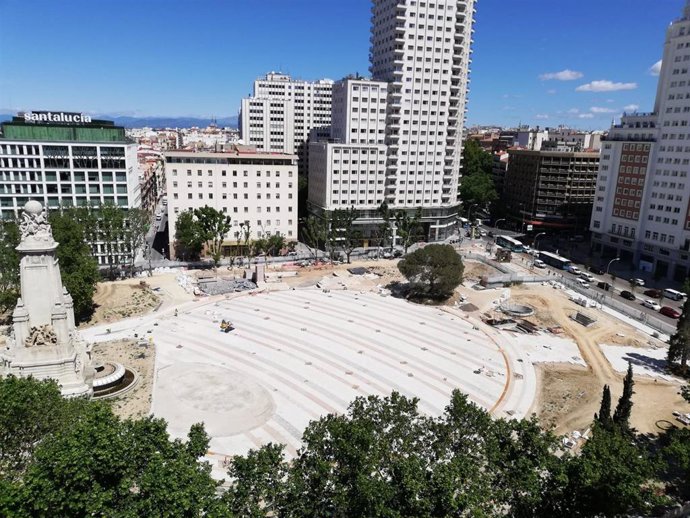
<point x="509" y="276"/>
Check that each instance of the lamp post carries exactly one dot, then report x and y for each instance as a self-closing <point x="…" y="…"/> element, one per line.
<point x="607" y="270"/>
<point x="469" y="212"/>
<point x="609" y="265"/>
<point x="497" y="222"/>
<point x="536" y="245"/>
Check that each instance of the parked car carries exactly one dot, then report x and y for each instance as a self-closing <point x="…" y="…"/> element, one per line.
<point x="670" y="312"/>
<point x="597" y="270"/>
<point x="539" y="263"/>
<point x="651" y="304"/>
<point x="604" y="285"/>
<point x="637" y="282"/>
<point x="655" y="294"/>
<point x="629" y="295"/>
<point x="587" y="276"/>
<point x="574" y="270"/>
<point x="582" y="283"/>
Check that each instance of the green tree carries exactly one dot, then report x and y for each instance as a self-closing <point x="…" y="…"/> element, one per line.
<point x="478" y="189"/>
<point x="275" y="243"/>
<point x="30" y="411"/>
<point x="188" y="238"/>
<point x="679" y="344"/>
<point x="213" y="226"/>
<point x="9" y="264"/>
<point x="433" y="271"/>
<point x="111" y="230"/>
<point x="475" y="160"/>
<point x="611" y="477"/>
<point x="78" y="267"/>
<point x="79" y="459"/>
<point x="604" y="415"/>
<point x="260" y="483"/>
<point x="342" y="232"/>
<point x="621" y="416"/>
<point x="408" y="228"/>
<point x="385" y="230"/>
<point x="314" y="234"/>
<point x="137" y="224"/>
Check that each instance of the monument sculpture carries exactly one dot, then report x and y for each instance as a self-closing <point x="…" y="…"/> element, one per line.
<point x="44" y="342"/>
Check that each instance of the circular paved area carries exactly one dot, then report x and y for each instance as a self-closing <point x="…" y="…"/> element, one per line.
<point x="299" y="354"/>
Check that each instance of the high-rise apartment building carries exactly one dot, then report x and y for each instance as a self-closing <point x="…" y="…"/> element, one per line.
<point x="66" y="159"/>
<point x="422" y="50"/>
<point x="642" y="207"/>
<point x="282" y="112"/>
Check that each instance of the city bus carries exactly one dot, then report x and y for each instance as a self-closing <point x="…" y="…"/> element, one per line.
<point x="510" y="243"/>
<point x="554" y="260"/>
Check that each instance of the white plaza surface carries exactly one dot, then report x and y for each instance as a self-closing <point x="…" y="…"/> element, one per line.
<point x="296" y="355"/>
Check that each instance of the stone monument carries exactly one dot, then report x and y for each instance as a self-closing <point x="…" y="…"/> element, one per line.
<point x="44" y="342"/>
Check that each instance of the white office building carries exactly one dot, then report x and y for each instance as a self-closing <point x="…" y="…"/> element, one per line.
<point x="257" y="190"/>
<point x="642" y="206"/>
<point x="349" y="169"/>
<point x="282" y="113"/>
<point x="66" y="159"/>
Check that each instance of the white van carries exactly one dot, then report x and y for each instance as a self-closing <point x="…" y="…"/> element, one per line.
<point x="582" y="283"/>
<point x="673" y="294"/>
<point x="539" y="263"/>
<point x="587" y="276"/>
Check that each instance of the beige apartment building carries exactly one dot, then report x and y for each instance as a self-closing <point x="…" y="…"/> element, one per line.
<point x="257" y="190"/>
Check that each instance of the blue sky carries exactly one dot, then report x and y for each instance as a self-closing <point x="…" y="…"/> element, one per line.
<point x="174" y="57"/>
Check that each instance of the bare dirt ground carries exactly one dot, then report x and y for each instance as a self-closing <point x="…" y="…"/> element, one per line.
<point x="476" y="270"/>
<point x="136" y="402"/>
<point x="569" y="395"/>
<point x="122" y="299"/>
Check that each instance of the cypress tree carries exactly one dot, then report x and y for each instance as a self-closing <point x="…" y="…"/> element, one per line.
<point x="621" y="416"/>
<point x="604" y="415"/>
<point x="679" y="344"/>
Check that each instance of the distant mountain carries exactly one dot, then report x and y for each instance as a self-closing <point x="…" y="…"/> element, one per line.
<point x="155" y="122"/>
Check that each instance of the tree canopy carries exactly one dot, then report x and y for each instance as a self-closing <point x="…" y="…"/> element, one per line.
<point x="433" y="271"/>
<point x="212" y="226"/>
<point x="477" y="185"/>
<point x="381" y="458"/>
<point x="78" y="267"/>
<point x="188" y="239"/>
<point x="9" y="264"/>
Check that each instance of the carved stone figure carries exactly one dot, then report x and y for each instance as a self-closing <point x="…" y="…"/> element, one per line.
<point x="34" y="223"/>
<point x="42" y="335"/>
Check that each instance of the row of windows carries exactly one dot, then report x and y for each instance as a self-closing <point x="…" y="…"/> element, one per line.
<point x="234" y="173"/>
<point x="663" y="238"/>
<point x="62" y="176"/>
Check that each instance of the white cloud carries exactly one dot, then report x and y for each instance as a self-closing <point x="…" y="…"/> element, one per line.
<point x="631" y="107"/>
<point x="655" y="69"/>
<point x="605" y="86"/>
<point x="586" y="116"/>
<point x="596" y="109"/>
<point x="573" y="111"/>
<point x="551" y="92"/>
<point x="541" y="116"/>
<point x="563" y="75"/>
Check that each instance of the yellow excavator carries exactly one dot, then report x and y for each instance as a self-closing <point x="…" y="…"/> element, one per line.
<point x="226" y="326"/>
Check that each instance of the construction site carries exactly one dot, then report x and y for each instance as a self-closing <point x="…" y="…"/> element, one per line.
<point x="257" y="364"/>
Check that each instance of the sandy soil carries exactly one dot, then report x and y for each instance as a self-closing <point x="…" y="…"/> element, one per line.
<point x="136" y="402"/>
<point x="569" y="396"/>
<point x="476" y="270"/>
<point x="122" y="299"/>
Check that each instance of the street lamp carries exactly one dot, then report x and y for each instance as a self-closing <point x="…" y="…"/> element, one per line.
<point x="536" y="245"/>
<point x="497" y="222"/>
<point x="609" y="265"/>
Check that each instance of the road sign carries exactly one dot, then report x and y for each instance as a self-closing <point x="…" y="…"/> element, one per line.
<point x="530" y="228"/>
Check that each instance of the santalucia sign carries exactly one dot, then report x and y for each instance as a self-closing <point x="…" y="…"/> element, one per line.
<point x="57" y="117"/>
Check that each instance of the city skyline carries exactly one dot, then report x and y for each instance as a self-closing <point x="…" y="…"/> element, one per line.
<point x="170" y="62"/>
